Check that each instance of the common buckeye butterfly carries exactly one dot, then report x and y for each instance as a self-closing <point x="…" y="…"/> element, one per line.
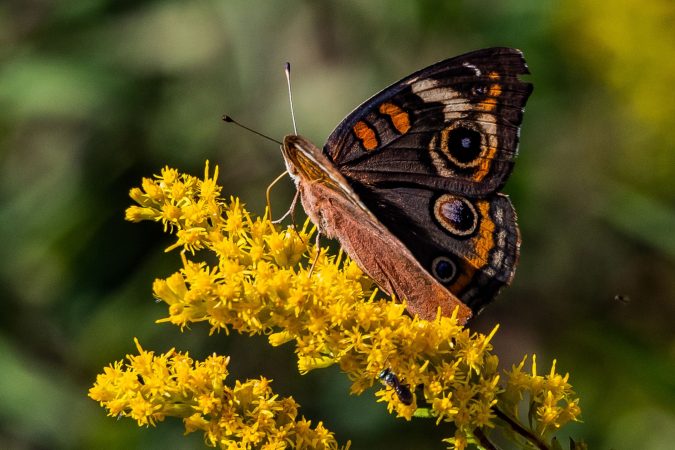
<point x="409" y="182"/>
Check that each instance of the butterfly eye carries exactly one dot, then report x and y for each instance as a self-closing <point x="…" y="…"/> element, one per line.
<point x="456" y="214"/>
<point x="464" y="144"/>
<point x="443" y="269"/>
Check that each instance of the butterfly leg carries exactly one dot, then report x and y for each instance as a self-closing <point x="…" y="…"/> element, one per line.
<point x="317" y="247"/>
<point x="269" y="190"/>
<point x="290" y="212"/>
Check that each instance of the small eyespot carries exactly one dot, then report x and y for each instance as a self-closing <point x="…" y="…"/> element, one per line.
<point x="456" y="214"/>
<point x="444" y="269"/>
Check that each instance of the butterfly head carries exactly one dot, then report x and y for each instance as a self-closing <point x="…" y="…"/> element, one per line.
<point x="304" y="161"/>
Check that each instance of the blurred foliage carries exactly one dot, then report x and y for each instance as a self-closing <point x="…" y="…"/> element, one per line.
<point x="96" y="94"/>
<point x="632" y="46"/>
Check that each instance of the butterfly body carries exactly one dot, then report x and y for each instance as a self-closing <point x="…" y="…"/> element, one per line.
<point x="408" y="182"/>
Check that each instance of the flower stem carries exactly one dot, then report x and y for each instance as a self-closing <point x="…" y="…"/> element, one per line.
<point x="483" y="440"/>
<point x="521" y="430"/>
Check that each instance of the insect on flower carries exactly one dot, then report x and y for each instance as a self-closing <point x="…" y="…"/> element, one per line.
<point x="402" y="390"/>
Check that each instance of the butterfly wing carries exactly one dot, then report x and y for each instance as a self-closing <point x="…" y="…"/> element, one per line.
<point x="469" y="245"/>
<point x="427" y="157"/>
<point x="452" y="126"/>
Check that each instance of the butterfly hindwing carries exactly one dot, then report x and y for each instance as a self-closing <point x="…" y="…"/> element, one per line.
<point x="452" y="126"/>
<point x="469" y="245"/>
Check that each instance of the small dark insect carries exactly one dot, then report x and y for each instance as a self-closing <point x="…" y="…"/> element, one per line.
<point x="402" y="390"/>
<point x="622" y="298"/>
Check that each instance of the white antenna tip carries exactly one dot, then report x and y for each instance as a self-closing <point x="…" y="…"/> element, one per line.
<point x="290" y="96"/>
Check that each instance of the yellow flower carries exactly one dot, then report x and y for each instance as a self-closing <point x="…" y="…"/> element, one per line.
<point x="260" y="283"/>
<point x="148" y="388"/>
<point x="551" y="400"/>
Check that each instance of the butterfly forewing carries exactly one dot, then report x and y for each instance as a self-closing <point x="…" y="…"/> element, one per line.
<point x="453" y="126"/>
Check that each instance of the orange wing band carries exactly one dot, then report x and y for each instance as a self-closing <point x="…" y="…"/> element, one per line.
<point x="366" y="135"/>
<point x="399" y="118"/>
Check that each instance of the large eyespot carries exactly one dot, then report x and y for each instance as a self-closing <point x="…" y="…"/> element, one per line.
<point x="456" y="214"/>
<point x="444" y="269"/>
<point x="464" y="144"/>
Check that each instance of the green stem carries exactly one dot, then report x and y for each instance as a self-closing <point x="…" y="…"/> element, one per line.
<point x="521" y="430"/>
<point x="483" y="440"/>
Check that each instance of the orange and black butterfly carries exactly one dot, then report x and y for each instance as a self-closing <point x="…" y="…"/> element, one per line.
<point x="409" y="182"/>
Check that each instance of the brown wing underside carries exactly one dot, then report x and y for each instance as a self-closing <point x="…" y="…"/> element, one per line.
<point x="379" y="253"/>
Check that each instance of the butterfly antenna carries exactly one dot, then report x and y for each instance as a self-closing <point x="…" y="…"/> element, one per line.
<point x="290" y="96"/>
<point x="229" y="119"/>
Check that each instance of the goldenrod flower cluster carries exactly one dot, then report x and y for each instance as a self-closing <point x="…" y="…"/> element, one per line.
<point x="552" y="402"/>
<point x="262" y="283"/>
<point x="149" y="388"/>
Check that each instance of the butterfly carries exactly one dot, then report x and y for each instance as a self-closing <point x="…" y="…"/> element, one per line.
<point x="409" y="182"/>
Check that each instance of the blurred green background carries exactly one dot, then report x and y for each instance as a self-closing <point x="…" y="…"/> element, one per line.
<point x="96" y="94"/>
